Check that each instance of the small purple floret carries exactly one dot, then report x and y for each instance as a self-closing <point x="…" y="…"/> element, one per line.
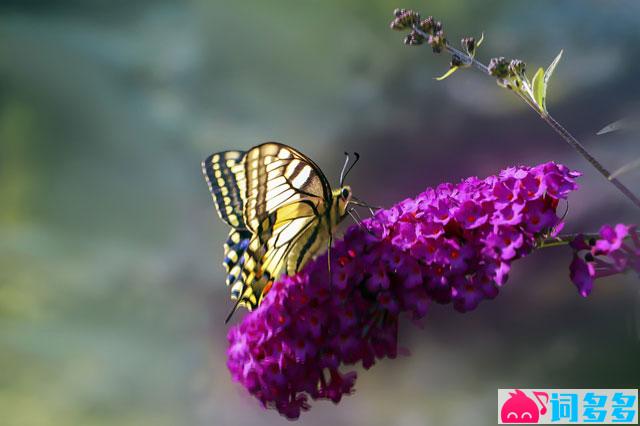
<point x="615" y="252"/>
<point x="451" y="244"/>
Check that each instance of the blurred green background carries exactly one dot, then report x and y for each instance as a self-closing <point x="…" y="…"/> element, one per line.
<point x="111" y="290"/>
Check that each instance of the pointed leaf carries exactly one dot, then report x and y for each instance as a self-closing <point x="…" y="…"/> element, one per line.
<point x="447" y="74"/>
<point x="547" y="76"/>
<point x="626" y="168"/>
<point x="539" y="88"/>
<point x="612" y="127"/>
<point x="552" y="67"/>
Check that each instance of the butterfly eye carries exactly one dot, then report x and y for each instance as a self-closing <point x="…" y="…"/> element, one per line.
<point x="345" y="193"/>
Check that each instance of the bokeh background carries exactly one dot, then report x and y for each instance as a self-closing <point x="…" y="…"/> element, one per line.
<point x="111" y="290"/>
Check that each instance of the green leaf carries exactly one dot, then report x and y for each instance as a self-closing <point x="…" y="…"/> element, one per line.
<point x="539" y="88"/>
<point x="552" y="67"/>
<point x="547" y="76"/>
<point x="447" y="74"/>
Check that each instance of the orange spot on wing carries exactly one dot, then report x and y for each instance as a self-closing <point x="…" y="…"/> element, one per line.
<point x="267" y="288"/>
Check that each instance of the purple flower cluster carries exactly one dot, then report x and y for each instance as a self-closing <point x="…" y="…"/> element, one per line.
<point x="616" y="251"/>
<point x="450" y="244"/>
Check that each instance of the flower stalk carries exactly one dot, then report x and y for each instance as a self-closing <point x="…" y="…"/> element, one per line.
<point x="563" y="240"/>
<point x="510" y="75"/>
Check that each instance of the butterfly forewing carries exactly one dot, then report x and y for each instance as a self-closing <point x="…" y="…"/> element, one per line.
<point x="225" y="175"/>
<point x="278" y="175"/>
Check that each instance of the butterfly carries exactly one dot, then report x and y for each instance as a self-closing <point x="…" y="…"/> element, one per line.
<point x="281" y="209"/>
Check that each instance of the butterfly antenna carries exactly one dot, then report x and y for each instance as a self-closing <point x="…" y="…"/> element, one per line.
<point x="344" y="168"/>
<point x="351" y="167"/>
<point x="233" y="310"/>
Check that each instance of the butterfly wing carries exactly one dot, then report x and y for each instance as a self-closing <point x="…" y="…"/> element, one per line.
<point x="286" y="202"/>
<point x="234" y="254"/>
<point x="224" y="173"/>
<point x="225" y="176"/>
<point x="278" y="176"/>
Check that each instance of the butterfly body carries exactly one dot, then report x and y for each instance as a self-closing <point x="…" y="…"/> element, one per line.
<point x="282" y="212"/>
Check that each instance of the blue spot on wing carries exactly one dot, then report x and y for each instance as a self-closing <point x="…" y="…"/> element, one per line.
<point x="235" y="247"/>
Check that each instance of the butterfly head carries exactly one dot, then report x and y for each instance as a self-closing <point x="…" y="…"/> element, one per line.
<point x="342" y="196"/>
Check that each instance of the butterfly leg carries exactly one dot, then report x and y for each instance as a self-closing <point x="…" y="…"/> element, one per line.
<point x="356" y="214"/>
<point x="361" y="203"/>
<point x="357" y="219"/>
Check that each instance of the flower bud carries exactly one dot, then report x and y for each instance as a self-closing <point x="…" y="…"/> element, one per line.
<point x="499" y="67"/>
<point x="426" y="25"/>
<point x="437" y="42"/>
<point x="413" y="39"/>
<point x="404" y="19"/>
<point x="468" y="45"/>
<point x="517" y="67"/>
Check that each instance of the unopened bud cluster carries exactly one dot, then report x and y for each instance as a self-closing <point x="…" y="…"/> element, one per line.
<point x="422" y="30"/>
<point x="501" y="68"/>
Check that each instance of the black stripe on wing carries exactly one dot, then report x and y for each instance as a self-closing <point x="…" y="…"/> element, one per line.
<point x="278" y="175"/>
<point x="249" y="278"/>
<point x="307" y="245"/>
<point x="225" y="176"/>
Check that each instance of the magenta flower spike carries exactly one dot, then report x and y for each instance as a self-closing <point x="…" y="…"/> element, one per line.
<point x="450" y="244"/>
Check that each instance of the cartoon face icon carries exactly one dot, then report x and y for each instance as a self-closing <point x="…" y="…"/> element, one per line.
<point x="519" y="408"/>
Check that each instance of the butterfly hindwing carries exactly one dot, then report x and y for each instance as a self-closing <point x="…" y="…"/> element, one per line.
<point x="269" y="254"/>
<point x="296" y="228"/>
<point x="250" y="284"/>
<point x="234" y="250"/>
<point x="224" y="172"/>
<point x="313" y="239"/>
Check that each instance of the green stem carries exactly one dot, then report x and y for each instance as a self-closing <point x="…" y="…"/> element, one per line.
<point x="563" y="240"/>
<point x="571" y="140"/>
